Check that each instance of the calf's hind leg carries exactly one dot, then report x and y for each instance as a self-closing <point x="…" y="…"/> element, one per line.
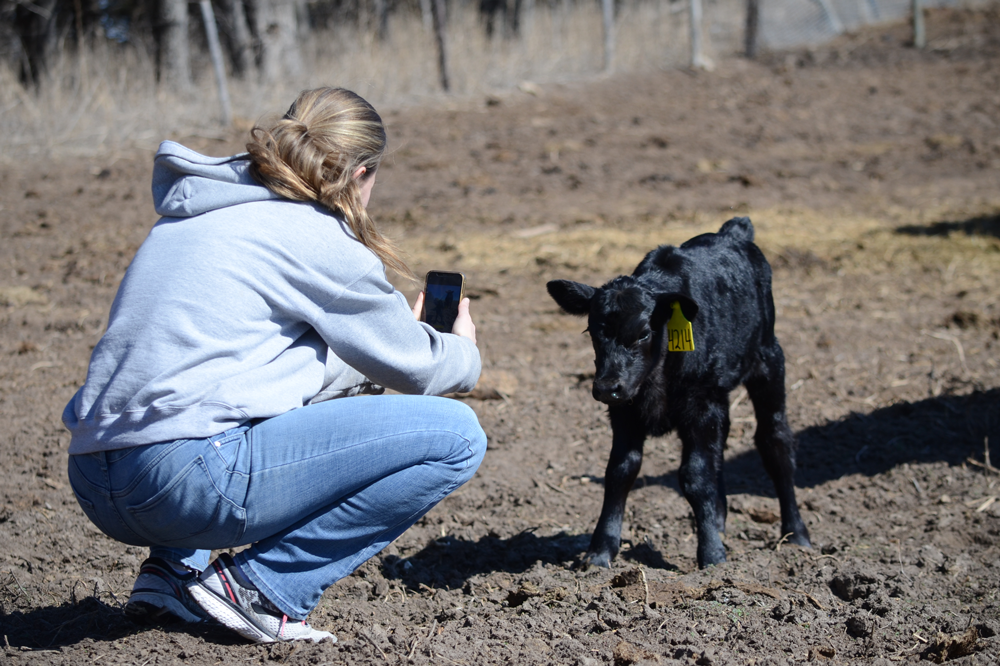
<point x="774" y="439"/>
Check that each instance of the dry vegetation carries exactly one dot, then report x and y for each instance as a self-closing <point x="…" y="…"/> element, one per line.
<point x="106" y="100"/>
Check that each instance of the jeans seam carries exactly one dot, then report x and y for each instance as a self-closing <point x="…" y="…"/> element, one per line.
<point x="402" y="433"/>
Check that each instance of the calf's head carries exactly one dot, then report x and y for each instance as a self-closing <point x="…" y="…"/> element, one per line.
<point x="627" y="321"/>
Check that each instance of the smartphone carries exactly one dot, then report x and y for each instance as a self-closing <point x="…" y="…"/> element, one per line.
<point x="443" y="291"/>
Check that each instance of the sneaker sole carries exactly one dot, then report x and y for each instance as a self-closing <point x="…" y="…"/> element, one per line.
<point x="225" y="614"/>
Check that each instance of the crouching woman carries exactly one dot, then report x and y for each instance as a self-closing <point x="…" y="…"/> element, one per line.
<point x="206" y="420"/>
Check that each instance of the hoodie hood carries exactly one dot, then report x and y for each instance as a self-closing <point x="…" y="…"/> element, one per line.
<point x="186" y="183"/>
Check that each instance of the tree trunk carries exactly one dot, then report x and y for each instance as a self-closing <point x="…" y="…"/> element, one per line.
<point x="919" y="34"/>
<point x="608" y="24"/>
<point x="438" y="14"/>
<point x="698" y="58"/>
<point x="35" y="25"/>
<point x="752" y="28"/>
<point x="427" y="15"/>
<point x="215" y="50"/>
<point x="277" y="29"/>
<point x="175" y="64"/>
<point x="381" y="20"/>
<point x="237" y="30"/>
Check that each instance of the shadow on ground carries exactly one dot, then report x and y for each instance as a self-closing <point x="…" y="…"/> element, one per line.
<point x="947" y="428"/>
<point x="54" y="627"/>
<point x="987" y="225"/>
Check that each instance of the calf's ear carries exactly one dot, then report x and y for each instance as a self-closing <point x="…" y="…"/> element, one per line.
<point x="688" y="307"/>
<point x="572" y="297"/>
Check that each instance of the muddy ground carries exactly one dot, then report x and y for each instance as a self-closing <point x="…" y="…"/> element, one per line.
<point x="872" y="174"/>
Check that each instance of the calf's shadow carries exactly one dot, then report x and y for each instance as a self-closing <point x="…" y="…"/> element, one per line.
<point x="946" y="429"/>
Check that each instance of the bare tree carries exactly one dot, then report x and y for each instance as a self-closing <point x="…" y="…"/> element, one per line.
<point x="919" y="32"/>
<point x="698" y="58"/>
<point x="236" y="29"/>
<point x="276" y="26"/>
<point x="608" y="22"/>
<point x="438" y="14"/>
<point x="174" y="61"/>
<point x="36" y="28"/>
<point x="212" y="35"/>
<point x="752" y="28"/>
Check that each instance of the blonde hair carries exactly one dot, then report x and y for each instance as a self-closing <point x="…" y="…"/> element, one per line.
<point x="312" y="154"/>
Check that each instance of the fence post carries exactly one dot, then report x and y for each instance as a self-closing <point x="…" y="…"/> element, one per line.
<point x="698" y="58"/>
<point x="752" y="27"/>
<point x="608" y="21"/>
<point x="215" y="51"/>
<point x="919" y="35"/>
<point x="438" y="16"/>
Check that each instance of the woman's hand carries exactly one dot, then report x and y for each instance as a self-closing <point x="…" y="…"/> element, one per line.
<point x="463" y="325"/>
<point x="418" y="306"/>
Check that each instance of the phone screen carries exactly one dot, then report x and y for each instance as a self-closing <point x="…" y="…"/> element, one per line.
<point x="442" y="293"/>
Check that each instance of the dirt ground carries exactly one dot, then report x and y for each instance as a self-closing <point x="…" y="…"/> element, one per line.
<point x="872" y="174"/>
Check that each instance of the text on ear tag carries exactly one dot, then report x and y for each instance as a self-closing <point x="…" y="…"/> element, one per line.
<point x="679" y="334"/>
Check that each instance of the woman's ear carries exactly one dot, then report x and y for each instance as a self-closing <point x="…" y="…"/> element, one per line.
<point x="360" y="171"/>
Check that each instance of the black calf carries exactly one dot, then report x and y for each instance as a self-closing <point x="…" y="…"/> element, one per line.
<point x="721" y="283"/>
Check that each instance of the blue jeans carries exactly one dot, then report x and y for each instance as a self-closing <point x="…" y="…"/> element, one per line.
<point x="317" y="491"/>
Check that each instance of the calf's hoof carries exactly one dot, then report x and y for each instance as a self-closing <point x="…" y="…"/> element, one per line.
<point x="598" y="559"/>
<point x="711" y="556"/>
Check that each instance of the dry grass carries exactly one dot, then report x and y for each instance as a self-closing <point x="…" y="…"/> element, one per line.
<point x="106" y="100"/>
<point x="854" y="245"/>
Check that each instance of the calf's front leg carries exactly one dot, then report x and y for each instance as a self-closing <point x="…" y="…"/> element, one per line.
<point x="623" y="468"/>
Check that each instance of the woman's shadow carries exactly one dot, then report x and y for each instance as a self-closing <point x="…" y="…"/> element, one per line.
<point x="53" y="627"/>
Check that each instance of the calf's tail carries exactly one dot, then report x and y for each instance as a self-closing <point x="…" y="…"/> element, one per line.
<point x="739" y="229"/>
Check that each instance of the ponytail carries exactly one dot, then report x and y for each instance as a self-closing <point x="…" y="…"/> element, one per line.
<point x="312" y="154"/>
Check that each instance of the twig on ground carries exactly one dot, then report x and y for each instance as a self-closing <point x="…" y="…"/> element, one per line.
<point x="987" y="504"/>
<point x="782" y="540"/>
<point x="822" y="557"/>
<point x="391" y="593"/>
<point x="815" y="602"/>
<point x="645" y="585"/>
<point x="953" y="340"/>
<point x="986" y="458"/>
<point x="16" y="583"/>
<point x="416" y="642"/>
<point x="374" y="644"/>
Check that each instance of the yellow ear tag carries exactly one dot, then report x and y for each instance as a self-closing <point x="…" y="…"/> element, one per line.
<point x="681" y="337"/>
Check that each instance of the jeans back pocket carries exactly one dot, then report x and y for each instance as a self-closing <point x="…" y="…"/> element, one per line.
<point x="190" y="512"/>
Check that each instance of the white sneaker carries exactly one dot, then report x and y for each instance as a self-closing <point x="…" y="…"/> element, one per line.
<point x="229" y="598"/>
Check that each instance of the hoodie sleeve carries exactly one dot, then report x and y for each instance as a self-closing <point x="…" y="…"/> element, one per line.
<point x="371" y="327"/>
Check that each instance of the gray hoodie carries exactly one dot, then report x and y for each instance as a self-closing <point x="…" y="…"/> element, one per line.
<point x="242" y="305"/>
